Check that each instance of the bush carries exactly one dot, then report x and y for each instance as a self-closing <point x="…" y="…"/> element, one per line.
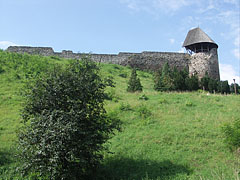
<point x="223" y="87"/>
<point x="169" y="79"/>
<point x="1" y="69"/>
<point x="232" y="134"/>
<point x="123" y="75"/>
<point x="111" y="95"/>
<point x="212" y="85"/>
<point x="65" y="123"/>
<point x="125" y="107"/>
<point x="143" y="97"/>
<point x="134" y="83"/>
<point x="204" y="82"/>
<point x="163" y="79"/>
<point x="144" y="112"/>
<point x="192" y="83"/>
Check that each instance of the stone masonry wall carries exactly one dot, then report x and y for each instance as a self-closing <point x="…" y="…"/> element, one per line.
<point x="203" y="62"/>
<point x="199" y="62"/>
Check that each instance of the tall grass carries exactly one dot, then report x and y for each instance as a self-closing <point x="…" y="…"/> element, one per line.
<point x="168" y="136"/>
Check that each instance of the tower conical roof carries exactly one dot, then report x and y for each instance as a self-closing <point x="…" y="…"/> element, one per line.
<point x="195" y="36"/>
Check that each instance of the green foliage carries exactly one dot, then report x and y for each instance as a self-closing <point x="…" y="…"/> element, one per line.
<point x="143" y="111"/>
<point x="174" y="80"/>
<point x="212" y="85"/>
<point x="204" y="82"/>
<point x="192" y="83"/>
<point x="163" y="79"/>
<point x="232" y="90"/>
<point x="179" y="143"/>
<point x="1" y="69"/>
<point x="123" y="75"/>
<point x="23" y="66"/>
<point x="189" y="104"/>
<point x="65" y="123"/>
<point x="223" y="87"/>
<point x="232" y="134"/>
<point x="111" y="95"/>
<point x="163" y="101"/>
<point x="179" y="79"/>
<point x="134" y="83"/>
<point x="143" y="97"/>
<point x="125" y="107"/>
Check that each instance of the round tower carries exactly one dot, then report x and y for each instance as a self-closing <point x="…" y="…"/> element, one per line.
<point x="203" y="52"/>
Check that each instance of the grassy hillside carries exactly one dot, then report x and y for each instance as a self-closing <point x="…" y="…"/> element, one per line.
<point x="168" y="136"/>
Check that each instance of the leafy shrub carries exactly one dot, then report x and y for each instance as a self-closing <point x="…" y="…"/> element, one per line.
<point x="232" y="88"/>
<point x="55" y="58"/>
<point x="223" y="87"/>
<point x="123" y="75"/>
<point x="116" y="67"/>
<point x="163" y="101"/>
<point x="143" y="97"/>
<point x="65" y="123"/>
<point x="189" y="104"/>
<point x="24" y="66"/>
<point x="204" y="82"/>
<point x="144" y="75"/>
<point x="144" y="112"/>
<point x="1" y="69"/>
<point x="125" y="107"/>
<point x="111" y="95"/>
<point x="213" y="85"/>
<point x="232" y="134"/>
<point x="192" y="83"/>
<point x="134" y="83"/>
<point x="167" y="79"/>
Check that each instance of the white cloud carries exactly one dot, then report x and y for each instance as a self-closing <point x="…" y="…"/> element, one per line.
<point x="227" y="72"/>
<point x="170" y="5"/>
<point x="172" y="41"/>
<point x="234" y="2"/>
<point x="6" y="44"/>
<point x="236" y="53"/>
<point x="154" y="6"/>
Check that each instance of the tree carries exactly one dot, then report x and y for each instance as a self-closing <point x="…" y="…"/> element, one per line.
<point x="178" y="77"/>
<point x="225" y="87"/>
<point x="163" y="79"/>
<point x="192" y="83"/>
<point x="204" y="82"/>
<point x="134" y="83"/>
<point x="65" y="123"/>
<point x="212" y="85"/>
<point x="232" y="88"/>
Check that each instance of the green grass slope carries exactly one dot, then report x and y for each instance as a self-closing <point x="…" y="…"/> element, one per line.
<point x="169" y="136"/>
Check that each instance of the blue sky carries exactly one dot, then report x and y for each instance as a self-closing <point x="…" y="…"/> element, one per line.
<point x="112" y="26"/>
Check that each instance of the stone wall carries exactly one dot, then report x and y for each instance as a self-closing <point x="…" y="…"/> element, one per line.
<point x="199" y="62"/>
<point x="43" y="51"/>
<point x="203" y="62"/>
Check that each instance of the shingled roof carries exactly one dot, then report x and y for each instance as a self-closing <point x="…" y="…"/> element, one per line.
<point x="195" y="36"/>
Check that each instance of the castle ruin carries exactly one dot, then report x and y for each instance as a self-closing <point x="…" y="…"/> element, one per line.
<point x="201" y="56"/>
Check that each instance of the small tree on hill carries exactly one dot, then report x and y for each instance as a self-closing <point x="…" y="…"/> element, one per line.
<point x="192" y="83"/>
<point x="178" y="77"/>
<point x="212" y="85"/>
<point x="204" y="82"/>
<point x="225" y="87"/>
<point x="134" y="83"/>
<point x="164" y="80"/>
<point x="65" y="123"/>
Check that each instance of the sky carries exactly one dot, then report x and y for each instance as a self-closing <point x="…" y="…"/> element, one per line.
<point x="113" y="26"/>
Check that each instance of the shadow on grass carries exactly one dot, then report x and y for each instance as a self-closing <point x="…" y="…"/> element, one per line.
<point x="126" y="169"/>
<point x="5" y="158"/>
